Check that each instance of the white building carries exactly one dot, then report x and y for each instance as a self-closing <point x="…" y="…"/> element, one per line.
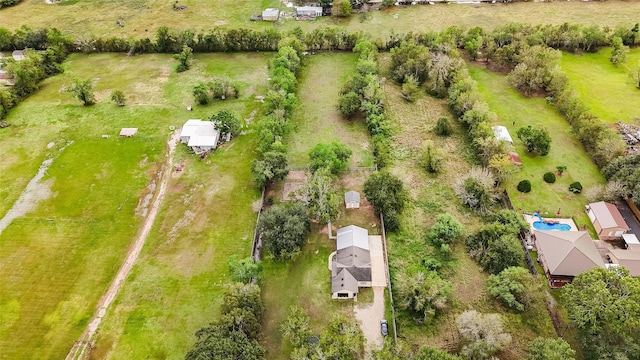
<point x="270" y="15"/>
<point x="308" y="11"/>
<point x="200" y="136"/>
<point x="501" y="133"/>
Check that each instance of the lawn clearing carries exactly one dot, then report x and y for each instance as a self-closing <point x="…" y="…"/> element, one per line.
<point x="61" y="257"/>
<point x="511" y="106"/>
<point x="316" y="119"/>
<point x="431" y="195"/>
<point x="141" y="18"/>
<point x="608" y="91"/>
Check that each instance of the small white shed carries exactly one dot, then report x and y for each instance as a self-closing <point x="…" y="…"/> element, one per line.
<point x="128" y="132"/>
<point x="270" y="14"/>
<point x="352" y="199"/>
<point x="501" y="133"/>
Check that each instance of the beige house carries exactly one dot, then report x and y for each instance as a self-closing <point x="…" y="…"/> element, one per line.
<point x="565" y="254"/>
<point x="128" y="132"/>
<point x="607" y="220"/>
<point x="629" y="257"/>
<point x="352" y="199"/>
<point x="350" y="264"/>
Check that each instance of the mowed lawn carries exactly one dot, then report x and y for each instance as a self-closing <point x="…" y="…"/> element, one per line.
<point x="566" y="149"/>
<point x="608" y="91"/>
<point x="60" y="258"/>
<point x="141" y="18"/>
<point x="317" y="120"/>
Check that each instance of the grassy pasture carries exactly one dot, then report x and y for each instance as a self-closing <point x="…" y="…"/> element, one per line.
<point x="316" y="119"/>
<point x="607" y="90"/>
<point x="511" y="106"/>
<point x="431" y="195"/>
<point x="59" y="259"/>
<point x="142" y="17"/>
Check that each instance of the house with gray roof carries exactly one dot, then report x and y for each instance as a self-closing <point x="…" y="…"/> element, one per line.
<point x="270" y="14"/>
<point x="352" y="199"/>
<point x="350" y="264"/>
<point x="566" y="254"/>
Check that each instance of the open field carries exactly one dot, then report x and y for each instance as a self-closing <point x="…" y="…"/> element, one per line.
<point x="511" y="106"/>
<point x="60" y="258"/>
<point x="316" y="119"/>
<point x="608" y="91"/>
<point x="430" y="196"/>
<point x="141" y="18"/>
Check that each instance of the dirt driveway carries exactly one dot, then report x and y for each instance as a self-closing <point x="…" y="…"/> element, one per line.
<point x="369" y="317"/>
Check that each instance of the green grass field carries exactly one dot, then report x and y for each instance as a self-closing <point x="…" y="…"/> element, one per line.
<point x="60" y="258"/>
<point x="316" y="119"/>
<point x="431" y="195"/>
<point x="511" y="106"/>
<point x="608" y="91"/>
<point x="141" y="18"/>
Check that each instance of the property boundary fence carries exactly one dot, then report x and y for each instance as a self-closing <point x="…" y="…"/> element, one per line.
<point x="256" y="247"/>
<point x="386" y="268"/>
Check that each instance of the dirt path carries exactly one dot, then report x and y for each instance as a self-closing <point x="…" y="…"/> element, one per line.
<point x="35" y="192"/>
<point x="82" y="347"/>
<point x="369" y="317"/>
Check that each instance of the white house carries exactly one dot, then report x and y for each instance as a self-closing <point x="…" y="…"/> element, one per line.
<point x="501" y="133"/>
<point x="18" y="55"/>
<point x="200" y="136"/>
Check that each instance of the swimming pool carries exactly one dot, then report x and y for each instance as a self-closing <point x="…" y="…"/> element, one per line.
<point x="539" y="225"/>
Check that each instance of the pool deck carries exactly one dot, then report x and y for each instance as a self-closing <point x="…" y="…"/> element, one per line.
<point x="531" y="219"/>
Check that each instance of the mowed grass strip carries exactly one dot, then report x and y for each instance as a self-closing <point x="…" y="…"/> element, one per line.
<point x="513" y="108"/>
<point x="60" y="258"/>
<point x="608" y="91"/>
<point x="141" y="18"/>
<point x="317" y="120"/>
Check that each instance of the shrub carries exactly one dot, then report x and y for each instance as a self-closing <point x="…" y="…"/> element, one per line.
<point x="575" y="187"/>
<point x="524" y="186"/>
<point x="549" y="178"/>
<point x="443" y="128"/>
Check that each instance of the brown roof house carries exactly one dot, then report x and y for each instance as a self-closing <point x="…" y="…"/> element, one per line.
<point x="350" y="264"/>
<point x="607" y="220"/>
<point x="565" y="254"/>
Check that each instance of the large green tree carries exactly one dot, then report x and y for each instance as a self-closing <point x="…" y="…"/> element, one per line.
<point x="422" y="293"/>
<point x="82" y="90"/>
<point x="515" y="287"/>
<point x="244" y="270"/>
<point x="235" y="335"/>
<point x="284" y="230"/>
<point x="387" y="195"/>
<point x="334" y="156"/>
<point x="273" y="166"/>
<point x="535" y="139"/>
<point x="626" y="170"/>
<point x="226" y="122"/>
<point x="605" y="307"/>
<point x="321" y="196"/>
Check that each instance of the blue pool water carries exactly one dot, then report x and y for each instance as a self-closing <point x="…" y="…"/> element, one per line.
<point x="539" y="225"/>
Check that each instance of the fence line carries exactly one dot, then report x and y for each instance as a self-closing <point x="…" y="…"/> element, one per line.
<point x="386" y="268"/>
<point x="257" y="243"/>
